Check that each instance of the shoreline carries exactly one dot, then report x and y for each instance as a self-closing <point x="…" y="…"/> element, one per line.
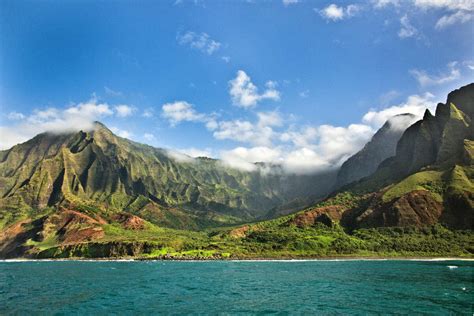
<point x="329" y="259"/>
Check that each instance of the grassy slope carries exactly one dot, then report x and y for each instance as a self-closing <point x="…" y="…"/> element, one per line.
<point x="277" y="238"/>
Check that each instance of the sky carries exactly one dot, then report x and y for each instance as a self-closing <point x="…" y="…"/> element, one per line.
<point x="301" y="83"/>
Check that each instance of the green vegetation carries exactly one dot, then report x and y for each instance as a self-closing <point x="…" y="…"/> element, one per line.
<point x="276" y="242"/>
<point x="96" y="195"/>
<point x="425" y="180"/>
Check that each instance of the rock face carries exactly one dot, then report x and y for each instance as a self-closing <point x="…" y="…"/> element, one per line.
<point x="324" y="215"/>
<point x="382" y="146"/>
<point x="429" y="180"/>
<point x="98" y="169"/>
<point x="416" y="208"/>
<point x="436" y="140"/>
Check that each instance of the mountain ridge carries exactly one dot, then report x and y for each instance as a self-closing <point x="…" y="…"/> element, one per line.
<point x="418" y="202"/>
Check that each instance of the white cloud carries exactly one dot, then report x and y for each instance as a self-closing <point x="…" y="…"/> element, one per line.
<point x="244" y="158"/>
<point x="289" y="2"/>
<point x="402" y="122"/>
<point x="415" y="104"/>
<point x="424" y="79"/>
<point x="188" y="155"/>
<point x="467" y="5"/>
<point x="244" y="131"/>
<point x="149" y="137"/>
<point x="13" y="116"/>
<point x="123" y="110"/>
<point x="304" y="161"/>
<point x="196" y="152"/>
<point x="201" y="42"/>
<point x="313" y="149"/>
<point x="335" y="13"/>
<point x="121" y="132"/>
<point x="303" y="137"/>
<point x="226" y="59"/>
<point x="245" y="94"/>
<point x="457" y="17"/>
<point x="455" y="11"/>
<point x="179" y="111"/>
<point x="469" y="64"/>
<point x="179" y="157"/>
<point x="272" y="118"/>
<point x="407" y="30"/>
<point x="76" y="117"/>
<point x="336" y="143"/>
<point x="379" y="4"/>
<point x="260" y="133"/>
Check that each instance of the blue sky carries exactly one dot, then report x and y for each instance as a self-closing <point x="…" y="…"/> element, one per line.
<point x="303" y="83"/>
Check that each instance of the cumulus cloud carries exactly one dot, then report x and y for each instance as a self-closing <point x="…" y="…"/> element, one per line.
<point x="178" y="156"/>
<point x="196" y="152"/>
<point x="244" y="131"/>
<point x="336" y="13"/>
<point x="457" y="17"/>
<point x="415" y="104"/>
<point x="245" y="94"/>
<point x="259" y="133"/>
<point x="459" y="11"/>
<point x="76" y="117"/>
<point x="402" y="121"/>
<point x="123" y="110"/>
<point x="467" y="5"/>
<point x="272" y="118"/>
<point x="406" y="30"/>
<point x="307" y="150"/>
<point x="121" y="132"/>
<point x="180" y="111"/>
<point x="330" y="144"/>
<point x="244" y="158"/>
<point x="199" y="41"/>
<point x="305" y="160"/>
<point x="187" y="155"/>
<point x="424" y="79"/>
<point x="311" y="149"/>
<point x="455" y="11"/>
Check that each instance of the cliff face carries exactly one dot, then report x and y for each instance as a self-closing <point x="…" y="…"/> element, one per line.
<point x="84" y="194"/>
<point x="429" y="180"/>
<point x="382" y="146"/>
<point x="98" y="169"/>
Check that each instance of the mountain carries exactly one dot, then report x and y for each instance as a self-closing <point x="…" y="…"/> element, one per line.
<point x="97" y="169"/>
<point x="382" y="146"/>
<point x="429" y="180"/>
<point x="93" y="194"/>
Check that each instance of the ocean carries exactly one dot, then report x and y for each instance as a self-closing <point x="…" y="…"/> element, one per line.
<point x="237" y="287"/>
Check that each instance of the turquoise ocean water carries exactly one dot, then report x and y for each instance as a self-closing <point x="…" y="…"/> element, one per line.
<point x="173" y="287"/>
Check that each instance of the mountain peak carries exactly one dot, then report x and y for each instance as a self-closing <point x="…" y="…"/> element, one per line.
<point x="381" y="146"/>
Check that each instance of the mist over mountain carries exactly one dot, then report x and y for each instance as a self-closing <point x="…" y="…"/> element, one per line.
<point x="71" y="194"/>
<point x="382" y="146"/>
<point x="101" y="169"/>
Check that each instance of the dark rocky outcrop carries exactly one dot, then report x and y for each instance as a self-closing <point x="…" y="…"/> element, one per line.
<point x="382" y="146"/>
